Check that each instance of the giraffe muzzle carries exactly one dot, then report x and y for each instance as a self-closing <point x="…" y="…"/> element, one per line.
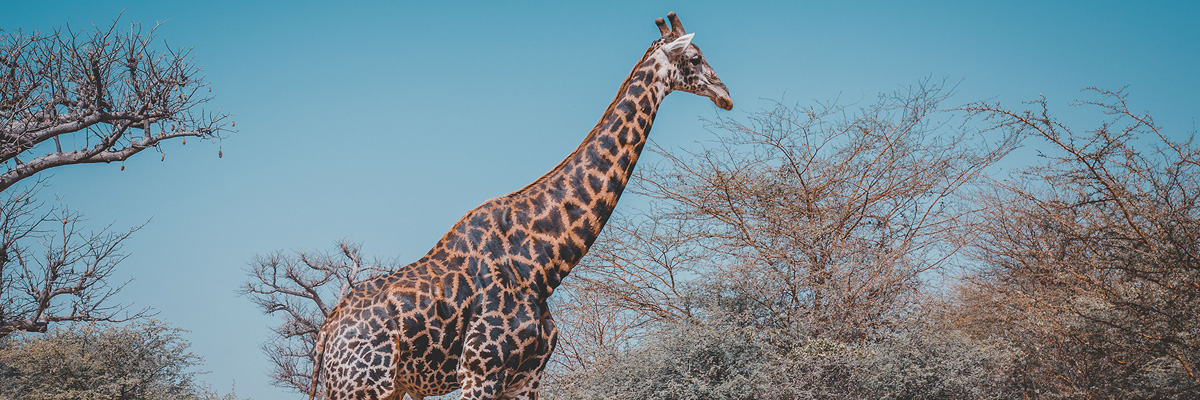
<point x="720" y="96"/>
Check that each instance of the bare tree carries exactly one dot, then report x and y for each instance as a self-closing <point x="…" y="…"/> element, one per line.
<point x="53" y="271"/>
<point x="69" y="97"/>
<point x="821" y="221"/>
<point x="1090" y="261"/>
<point x="303" y="288"/>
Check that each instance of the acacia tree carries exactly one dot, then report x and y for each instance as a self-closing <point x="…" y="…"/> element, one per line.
<point x="1090" y="262"/>
<point x="822" y="221"/>
<point x="303" y="288"/>
<point x="76" y="97"/>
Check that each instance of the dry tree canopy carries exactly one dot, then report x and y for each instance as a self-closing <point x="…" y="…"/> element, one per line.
<point x="818" y="220"/>
<point x="73" y="97"/>
<point x="884" y="252"/>
<point x="99" y="95"/>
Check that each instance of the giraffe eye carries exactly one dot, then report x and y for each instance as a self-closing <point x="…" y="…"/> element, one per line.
<point x="695" y="60"/>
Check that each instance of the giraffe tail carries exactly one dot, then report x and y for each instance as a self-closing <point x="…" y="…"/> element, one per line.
<point x="318" y="358"/>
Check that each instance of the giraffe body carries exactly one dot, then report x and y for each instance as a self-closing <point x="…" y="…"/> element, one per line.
<point x="472" y="313"/>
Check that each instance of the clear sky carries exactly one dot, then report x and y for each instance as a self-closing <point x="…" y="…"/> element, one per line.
<point x="383" y="122"/>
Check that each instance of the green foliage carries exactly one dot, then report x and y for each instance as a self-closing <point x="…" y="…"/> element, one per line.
<point x="142" y="361"/>
<point x="940" y="365"/>
<point x="705" y="361"/>
<point x="723" y="357"/>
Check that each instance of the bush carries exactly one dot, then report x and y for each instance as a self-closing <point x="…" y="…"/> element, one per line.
<point x="142" y="361"/>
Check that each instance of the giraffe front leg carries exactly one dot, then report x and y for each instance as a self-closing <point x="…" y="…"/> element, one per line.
<point x="547" y="339"/>
<point x="485" y="375"/>
<point x="528" y="391"/>
<point x="481" y="370"/>
<point x="525" y="380"/>
<point x="488" y="387"/>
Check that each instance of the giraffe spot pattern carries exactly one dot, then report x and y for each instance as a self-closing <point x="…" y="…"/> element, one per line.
<point x="472" y="313"/>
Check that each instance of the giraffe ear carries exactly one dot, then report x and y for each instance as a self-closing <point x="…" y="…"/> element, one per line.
<point x="678" y="45"/>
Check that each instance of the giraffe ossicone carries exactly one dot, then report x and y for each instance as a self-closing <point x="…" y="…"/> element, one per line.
<point x="472" y="313"/>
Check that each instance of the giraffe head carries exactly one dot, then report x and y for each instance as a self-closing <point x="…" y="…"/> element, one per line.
<point x="686" y="68"/>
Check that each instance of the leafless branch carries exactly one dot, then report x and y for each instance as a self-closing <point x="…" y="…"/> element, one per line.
<point x="824" y="218"/>
<point x="1093" y="254"/>
<point x="69" y="280"/>
<point x="302" y="288"/>
<point x="101" y="95"/>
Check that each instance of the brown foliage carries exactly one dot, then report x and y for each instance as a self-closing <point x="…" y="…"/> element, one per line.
<point x="1089" y="262"/>
<point x="824" y="220"/>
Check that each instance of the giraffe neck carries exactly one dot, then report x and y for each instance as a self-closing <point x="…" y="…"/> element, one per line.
<point x="568" y="206"/>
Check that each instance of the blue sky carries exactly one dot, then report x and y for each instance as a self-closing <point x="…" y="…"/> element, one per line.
<point x="382" y="122"/>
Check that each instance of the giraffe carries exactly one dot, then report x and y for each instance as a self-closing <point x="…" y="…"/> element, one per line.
<point x="472" y="313"/>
